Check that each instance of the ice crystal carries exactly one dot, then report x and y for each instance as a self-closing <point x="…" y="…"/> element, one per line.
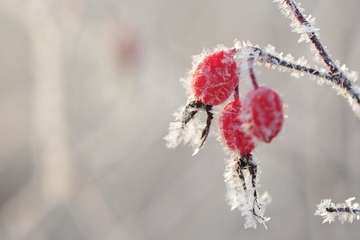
<point x="346" y="212"/>
<point x="242" y="189"/>
<point x="184" y="134"/>
<point x="351" y="75"/>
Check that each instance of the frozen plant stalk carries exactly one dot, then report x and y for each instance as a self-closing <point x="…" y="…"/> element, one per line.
<point x="346" y="212"/>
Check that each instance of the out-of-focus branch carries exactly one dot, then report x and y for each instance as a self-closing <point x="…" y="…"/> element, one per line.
<point x="346" y="212"/>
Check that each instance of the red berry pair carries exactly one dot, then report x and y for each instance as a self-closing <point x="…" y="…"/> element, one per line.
<point x="259" y="118"/>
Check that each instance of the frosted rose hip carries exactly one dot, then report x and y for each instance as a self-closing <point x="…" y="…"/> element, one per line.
<point x="215" y="78"/>
<point x="263" y="113"/>
<point x="231" y="130"/>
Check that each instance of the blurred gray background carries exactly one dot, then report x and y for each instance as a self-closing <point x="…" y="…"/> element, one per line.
<point x="88" y="88"/>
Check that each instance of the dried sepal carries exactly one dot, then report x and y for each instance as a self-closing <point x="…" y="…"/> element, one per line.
<point x="188" y="127"/>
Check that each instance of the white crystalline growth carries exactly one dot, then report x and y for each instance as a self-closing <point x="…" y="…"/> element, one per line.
<point x="289" y="59"/>
<point x="189" y="134"/>
<point x="351" y="75"/>
<point x="346" y="212"/>
<point x="303" y="28"/>
<point x="187" y="81"/>
<point x="241" y="198"/>
<point x="245" y="51"/>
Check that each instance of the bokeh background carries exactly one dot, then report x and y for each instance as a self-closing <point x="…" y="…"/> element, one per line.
<point x="88" y="88"/>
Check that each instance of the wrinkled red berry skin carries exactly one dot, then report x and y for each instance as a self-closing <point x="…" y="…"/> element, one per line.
<point x="215" y="78"/>
<point x="231" y="129"/>
<point x="263" y="113"/>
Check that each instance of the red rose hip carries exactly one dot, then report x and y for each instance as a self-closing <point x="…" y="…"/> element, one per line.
<point x="215" y="77"/>
<point x="232" y="133"/>
<point x="263" y="113"/>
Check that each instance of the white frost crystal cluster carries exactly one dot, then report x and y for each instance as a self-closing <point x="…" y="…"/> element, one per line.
<point x="346" y="212"/>
<point x="242" y="194"/>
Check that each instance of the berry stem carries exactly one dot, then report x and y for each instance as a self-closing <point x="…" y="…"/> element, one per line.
<point x="251" y="72"/>
<point x="234" y="51"/>
<point x="236" y="92"/>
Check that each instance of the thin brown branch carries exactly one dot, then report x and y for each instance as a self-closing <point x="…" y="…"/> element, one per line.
<point x="338" y="78"/>
<point x="313" y="37"/>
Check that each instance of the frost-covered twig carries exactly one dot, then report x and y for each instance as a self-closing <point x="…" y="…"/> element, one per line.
<point x="242" y="181"/>
<point x="339" y="77"/>
<point x="340" y="81"/>
<point x="343" y="80"/>
<point x="346" y="212"/>
<point x="302" y="25"/>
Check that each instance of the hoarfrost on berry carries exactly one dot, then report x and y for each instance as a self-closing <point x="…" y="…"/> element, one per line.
<point x="214" y="76"/>
<point x="231" y="129"/>
<point x="263" y="113"/>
